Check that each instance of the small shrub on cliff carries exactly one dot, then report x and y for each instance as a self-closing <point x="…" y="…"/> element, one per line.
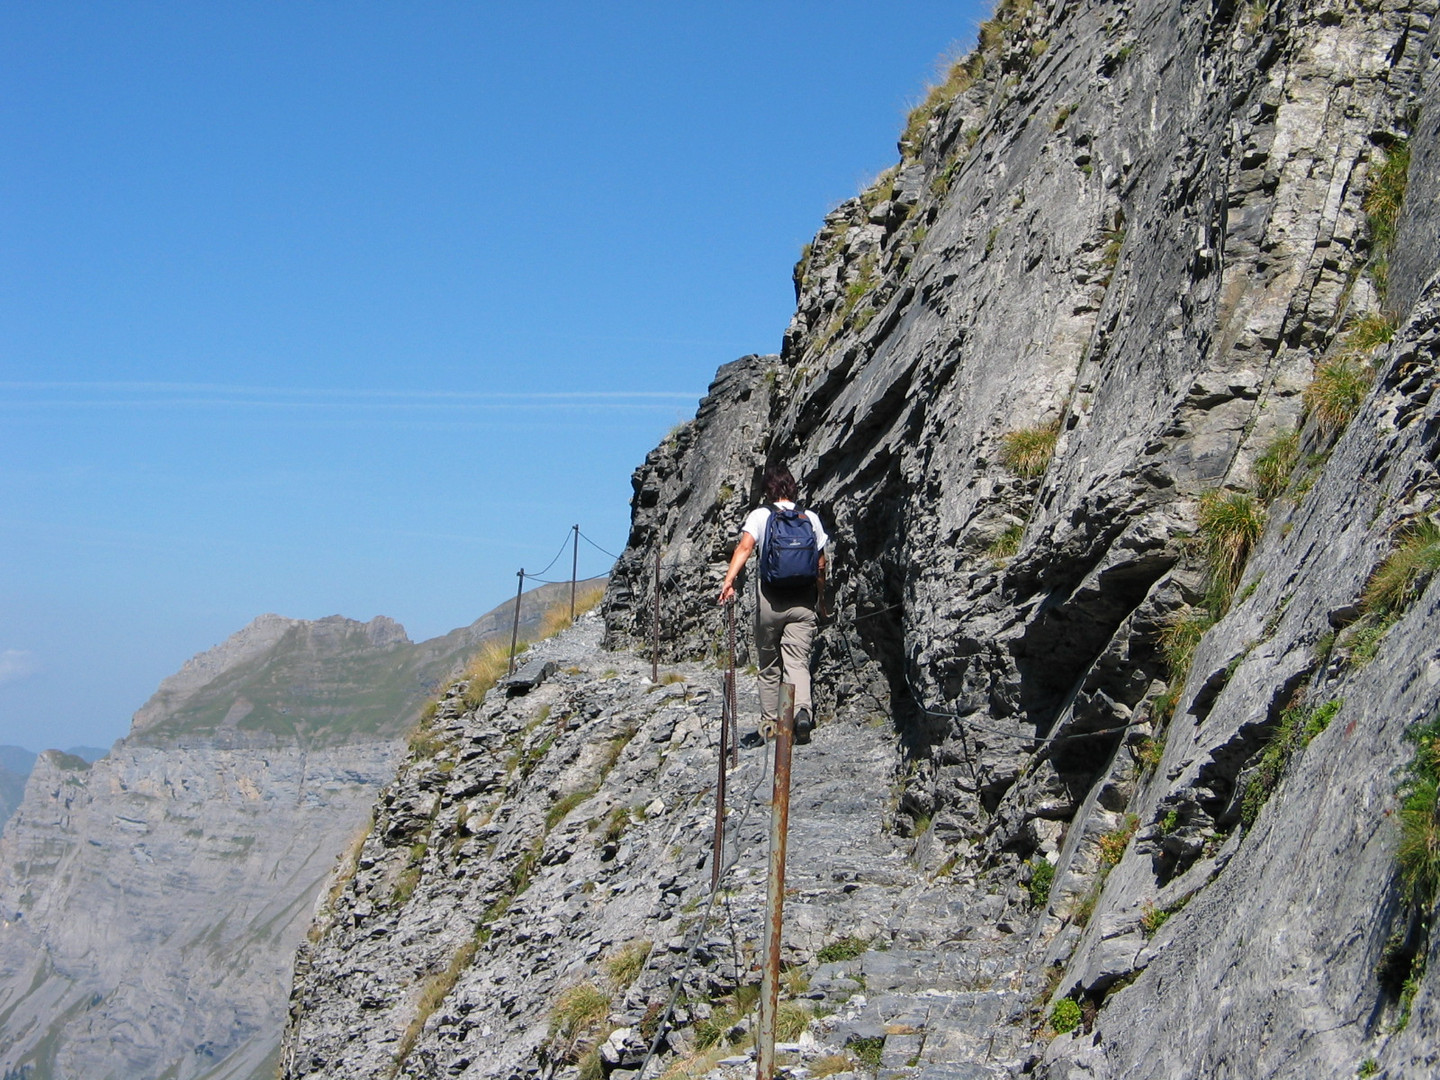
<point x="1042" y="876"/>
<point x="847" y="948"/>
<point x="1152" y="918"/>
<point x="1148" y="753"/>
<point x="1066" y="1016"/>
<point x="869" y="1050"/>
<point x="1419" y="851"/>
<point x="1027" y="451"/>
<point x="1113" y="843"/>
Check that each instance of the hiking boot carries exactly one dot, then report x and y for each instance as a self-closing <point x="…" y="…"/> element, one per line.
<point x="803" y="726"/>
<point x="751" y="739"/>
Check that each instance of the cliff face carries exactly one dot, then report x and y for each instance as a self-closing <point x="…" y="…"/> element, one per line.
<point x="152" y="901"/>
<point x="1118" y="392"/>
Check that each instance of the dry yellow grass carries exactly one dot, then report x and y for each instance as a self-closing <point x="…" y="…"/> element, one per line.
<point x="557" y="615"/>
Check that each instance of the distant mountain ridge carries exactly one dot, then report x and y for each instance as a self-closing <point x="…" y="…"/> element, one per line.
<point x="151" y="902"/>
<point x="15" y="765"/>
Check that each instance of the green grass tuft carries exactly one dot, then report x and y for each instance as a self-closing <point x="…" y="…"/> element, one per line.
<point x="1336" y="392"/>
<point x="1275" y="464"/>
<point x="1007" y="544"/>
<point x="577" y="1012"/>
<point x="1180" y="637"/>
<point x="847" y="948"/>
<point x="1027" y="451"/>
<point x="563" y="806"/>
<point x="1382" y="209"/>
<point x="625" y="964"/>
<point x="1297" y="726"/>
<point x="1398" y="581"/>
<point x="1369" y="332"/>
<point x="1230" y="525"/>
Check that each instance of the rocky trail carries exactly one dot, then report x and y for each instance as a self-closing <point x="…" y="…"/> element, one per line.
<point x="620" y="854"/>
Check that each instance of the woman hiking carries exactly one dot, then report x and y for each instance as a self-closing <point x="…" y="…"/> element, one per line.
<point x="790" y="545"/>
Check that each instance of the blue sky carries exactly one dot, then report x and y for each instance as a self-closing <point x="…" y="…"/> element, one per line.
<point x="356" y="308"/>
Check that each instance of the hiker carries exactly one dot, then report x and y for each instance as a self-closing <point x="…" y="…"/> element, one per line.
<point x="791" y="557"/>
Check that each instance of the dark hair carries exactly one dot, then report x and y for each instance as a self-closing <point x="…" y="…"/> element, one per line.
<point x="779" y="484"/>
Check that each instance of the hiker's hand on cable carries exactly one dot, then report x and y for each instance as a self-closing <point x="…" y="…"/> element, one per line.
<point x="726" y="594"/>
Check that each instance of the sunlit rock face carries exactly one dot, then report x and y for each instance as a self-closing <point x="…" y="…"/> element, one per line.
<point x="1109" y="711"/>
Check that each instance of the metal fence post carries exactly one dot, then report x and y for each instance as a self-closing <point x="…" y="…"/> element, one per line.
<point x="574" y="570"/>
<point x="515" y="629"/>
<point x="655" y="655"/>
<point x="775" y="886"/>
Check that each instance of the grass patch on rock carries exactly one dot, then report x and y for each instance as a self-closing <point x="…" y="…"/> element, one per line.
<point x="1276" y="462"/>
<point x="1230" y="524"/>
<point x="846" y="948"/>
<point x="1296" y="728"/>
<point x="1027" y="451"/>
<point x="1335" y="393"/>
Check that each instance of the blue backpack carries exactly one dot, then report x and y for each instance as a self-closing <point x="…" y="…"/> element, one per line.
<point x="792" y="553"/>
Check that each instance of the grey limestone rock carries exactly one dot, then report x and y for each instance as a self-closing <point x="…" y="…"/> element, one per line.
<point x="1128" y="235"/>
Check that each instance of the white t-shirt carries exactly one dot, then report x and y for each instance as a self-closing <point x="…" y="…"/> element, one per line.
<point x="756" y="520"/>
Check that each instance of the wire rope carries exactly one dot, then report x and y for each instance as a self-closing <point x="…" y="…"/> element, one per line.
<point x="597" y="547"/>
<point x="563" y="545"/>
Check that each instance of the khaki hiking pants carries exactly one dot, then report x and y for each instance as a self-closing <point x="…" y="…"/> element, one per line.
<point x="784" y="633"/>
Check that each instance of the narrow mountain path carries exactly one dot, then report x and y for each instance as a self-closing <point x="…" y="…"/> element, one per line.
<point x="941" y="980"/>
<point x="534" y="840"/>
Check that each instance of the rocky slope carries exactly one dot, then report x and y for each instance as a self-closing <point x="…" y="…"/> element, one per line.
<point x="152" y="901"/>
<point x="1118" y="391"/>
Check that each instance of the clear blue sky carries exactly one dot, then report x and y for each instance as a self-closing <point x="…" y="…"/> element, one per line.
<point x="355" y="308"/>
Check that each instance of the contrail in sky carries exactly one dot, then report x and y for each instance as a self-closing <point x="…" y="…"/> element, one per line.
<point x="130" y="394"/>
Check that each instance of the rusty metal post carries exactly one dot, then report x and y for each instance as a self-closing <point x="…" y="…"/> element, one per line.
<point x="775" y="886"/>
<point x="655" y="655"/>
<point x="574" y="569"/>
<point x="731" y="698"/>
<point x="515" y="629"/>
<point x="717" y="849"/>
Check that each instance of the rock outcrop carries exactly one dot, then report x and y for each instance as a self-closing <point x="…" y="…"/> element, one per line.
<point x="152" y="901"/>
<point x="1119" y="394"/>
